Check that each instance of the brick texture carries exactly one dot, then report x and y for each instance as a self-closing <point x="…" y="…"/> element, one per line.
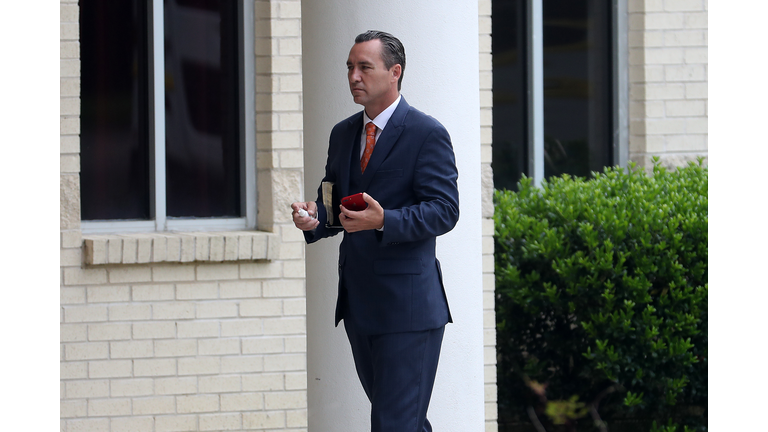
<point x="170" y="331"/>
<point x="486" y="128"/>
<point x="668" y="42"/>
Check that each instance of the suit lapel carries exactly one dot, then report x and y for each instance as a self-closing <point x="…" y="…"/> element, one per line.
<point x="386" y="142"/>
<point x="354" y="131"/>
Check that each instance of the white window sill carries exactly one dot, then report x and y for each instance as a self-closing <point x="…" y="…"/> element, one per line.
<point x="180" y="247"/>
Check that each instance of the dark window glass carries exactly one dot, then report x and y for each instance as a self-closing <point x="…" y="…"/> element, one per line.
<point x="578" y="112"/>
<point x="202" y="106"/>
<point x="577" y="87"/>
<point x="212" y="6"/>
<point x="114" y="137"/>
<point x="510" y="116"/>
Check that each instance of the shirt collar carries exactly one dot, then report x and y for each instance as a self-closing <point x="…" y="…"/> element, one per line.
<point x="382" y="119"/>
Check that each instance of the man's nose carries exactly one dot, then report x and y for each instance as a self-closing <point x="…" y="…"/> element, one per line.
<point x="354" y="75"/>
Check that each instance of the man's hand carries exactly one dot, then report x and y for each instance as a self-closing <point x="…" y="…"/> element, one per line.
<point x="308" y="222"/>
<point x="370" y="218"/>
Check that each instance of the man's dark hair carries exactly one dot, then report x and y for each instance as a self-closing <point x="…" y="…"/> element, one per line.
<point x="392" y="50"/>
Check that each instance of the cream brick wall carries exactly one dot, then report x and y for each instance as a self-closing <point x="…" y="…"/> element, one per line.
<point x="489" y="282"/>
<point x="192" y="345"/>
<point x="668" y="80"/>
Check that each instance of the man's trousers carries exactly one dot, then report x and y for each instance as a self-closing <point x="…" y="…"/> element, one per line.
<point x="397" y="371"/>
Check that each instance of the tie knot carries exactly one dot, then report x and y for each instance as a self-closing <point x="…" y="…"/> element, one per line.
<point x="370" y="129"/>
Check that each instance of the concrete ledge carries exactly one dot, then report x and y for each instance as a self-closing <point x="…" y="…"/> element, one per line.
<point x="142" y="248"/>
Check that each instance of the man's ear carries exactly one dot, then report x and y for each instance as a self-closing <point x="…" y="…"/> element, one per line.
<point x="397" y="70"/>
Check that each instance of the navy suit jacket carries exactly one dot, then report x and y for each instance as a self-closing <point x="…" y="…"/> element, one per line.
<point x="390" y="281"/>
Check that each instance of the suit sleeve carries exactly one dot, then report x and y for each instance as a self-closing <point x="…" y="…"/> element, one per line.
<point x="436" y="194"/>
<point x="321" y="231"/>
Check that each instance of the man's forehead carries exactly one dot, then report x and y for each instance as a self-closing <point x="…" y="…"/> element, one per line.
<point x="365" y="52"/>
<point x="360" y="61"/>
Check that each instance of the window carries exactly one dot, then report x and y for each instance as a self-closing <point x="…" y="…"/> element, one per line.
<point x="556" y="89"/>
<point x="166" y="130"/>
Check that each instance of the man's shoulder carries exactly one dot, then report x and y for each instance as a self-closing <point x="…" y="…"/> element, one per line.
<point x="352" y="121"/>
<point x="417" y="118"/>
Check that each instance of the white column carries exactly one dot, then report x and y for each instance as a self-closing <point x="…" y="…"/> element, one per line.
<point x="441" y="78"/>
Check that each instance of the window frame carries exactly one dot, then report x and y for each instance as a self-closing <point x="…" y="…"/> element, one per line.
<point x="620" y="83"/>
<point x="535" y="93"/>
<point x="159" y="221"/>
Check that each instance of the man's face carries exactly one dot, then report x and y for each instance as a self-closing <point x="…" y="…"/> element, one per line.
<point x="371" y="83"/>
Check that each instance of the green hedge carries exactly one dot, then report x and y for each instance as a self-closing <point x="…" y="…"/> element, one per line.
<point x="601" y="285"/>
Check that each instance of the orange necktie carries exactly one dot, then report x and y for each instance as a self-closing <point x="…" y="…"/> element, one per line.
<point x="370" y="141"/>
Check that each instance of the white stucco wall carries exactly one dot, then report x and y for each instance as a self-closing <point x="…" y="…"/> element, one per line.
<point x="442" y="79"/>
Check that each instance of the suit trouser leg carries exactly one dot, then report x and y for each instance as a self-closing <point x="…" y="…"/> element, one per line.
<point x="397" y="371"/>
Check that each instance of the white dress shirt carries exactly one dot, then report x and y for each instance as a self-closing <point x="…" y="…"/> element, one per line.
<point x="380" y="121"/>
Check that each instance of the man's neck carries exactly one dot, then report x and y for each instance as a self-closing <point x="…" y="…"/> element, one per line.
<point x="373" y="111"/>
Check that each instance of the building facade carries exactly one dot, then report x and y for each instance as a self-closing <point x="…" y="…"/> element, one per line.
<point x="667" y="65"/>
<point x="180" y="324"/>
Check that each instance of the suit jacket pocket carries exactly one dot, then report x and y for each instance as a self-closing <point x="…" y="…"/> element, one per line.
<point x="409" y="266"/>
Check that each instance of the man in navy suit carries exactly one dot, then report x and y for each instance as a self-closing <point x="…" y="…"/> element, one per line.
<point x="391" y="295"/>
